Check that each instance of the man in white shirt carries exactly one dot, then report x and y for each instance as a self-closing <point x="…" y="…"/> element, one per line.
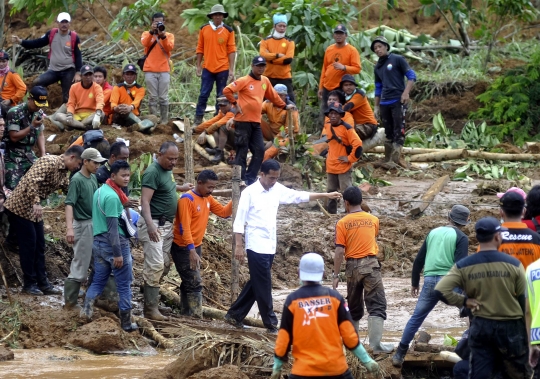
<point x="256" y="218"/>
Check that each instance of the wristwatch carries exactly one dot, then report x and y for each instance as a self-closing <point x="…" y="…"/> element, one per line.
<point x="334" y="275"/>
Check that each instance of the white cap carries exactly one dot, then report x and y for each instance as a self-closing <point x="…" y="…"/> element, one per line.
<point x="311" y="267"/>
<point x="63" y="16"/>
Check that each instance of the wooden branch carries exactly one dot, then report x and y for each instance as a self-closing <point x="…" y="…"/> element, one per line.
<point x="235" y="266"/>
<point x="220" y="167"/>
<point x="504" y="157"/>
<point x="188" y="153"/>
<point x="223" y="192"/>
<point x="444" y="155"/>
<point x="292" y="152"/>
<point x="428" y="197"/>
<point x="149" y="331"/>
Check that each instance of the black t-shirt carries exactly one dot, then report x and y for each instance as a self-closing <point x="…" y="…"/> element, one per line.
<point x="390" y="71"/>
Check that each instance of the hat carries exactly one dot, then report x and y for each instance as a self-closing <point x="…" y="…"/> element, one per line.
<point x="281" y="89"/>
<point x="129" y="68"/>
<point x="348" y="78"/>
<point x="258" y="61"/>
<point x="512" y="200"/>
<point x="513" y="189"/>
<point x="340" y="28"/>
<point x="335" y="107"/>
<point x="218" y="8"/>
<point x="4" y="55"/>
<point x="93" y="155"/>
<point x="486" y="227"/>
<point x="39" y="95"/>
<point x="459" y="214"/>
<point x="86" y="69"/>
<point x="222" y="100"/>
<point x="380" y="39"/>
<point x="63" y="16"/>
<point x="279" y="18"/>
<point x="311" y="267"/>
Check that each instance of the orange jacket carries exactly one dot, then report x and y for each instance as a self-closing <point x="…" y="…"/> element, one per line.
<point x="192" y="218"/>
<point x="360" y="109"/>
<point x="120" y="95"/>
<point x="107" y="91"/>
<point x="85" y="100"/>
<point x="347" y="55"/>
<point x="14" y="88"/>
<point x="348" y="137"/>
<point x="214" y="123"/>
<point x="277" y="68"/>
<point x="158" y="59"/>
<point x="356" y="232"/>
<point x="277" y="118"/>
<point x="215" y="46"/>
<point x="251" y="93"/>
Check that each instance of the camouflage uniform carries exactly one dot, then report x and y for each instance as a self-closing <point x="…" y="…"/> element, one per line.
<point x="19" y="156"/>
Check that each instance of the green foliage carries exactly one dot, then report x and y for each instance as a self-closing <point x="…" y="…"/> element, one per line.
<point x="137" y="168"/>
<point x="10" y="322"/>
<point x="484" y="170"/>
<point x="477" y="137"/>
<point x="41" y="10"/>
<point x="363" y="175"/>
<point x="138" y="14"/>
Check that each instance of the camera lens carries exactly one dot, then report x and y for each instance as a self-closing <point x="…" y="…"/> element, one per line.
<point x="161" y="26"/>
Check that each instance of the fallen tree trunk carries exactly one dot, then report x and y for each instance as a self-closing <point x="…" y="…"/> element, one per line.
<point x="149" y="331"/>
<point x="444" y="155"/>
<point x="375" y="141"/>
<point x="503" y="157"/>
<point x="406" y="150"/>
<point x="428" y="197"/>
<point x="221" y="167"/>
<point x="427" y="348"/>
<point x="222" y="192"/>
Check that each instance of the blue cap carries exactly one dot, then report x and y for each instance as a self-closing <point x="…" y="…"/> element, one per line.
<point x="258" y="61"/>
<point x="486" y="227"/>
<point x="279" y="18"/>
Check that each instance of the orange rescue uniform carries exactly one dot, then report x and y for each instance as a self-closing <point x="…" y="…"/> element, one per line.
<point x="192" y="218"/>
<point x="277" y="118"/>
<point x="129" y="96"/>
<point x="85" y="100"/>
<point x="520" y="242"/>
<point x="347" y="118"/>
<point x="107" y="91"/>
<point x="346" y="55"/>
<point x="210" y="126"/>
<point x="13" y="88"/>
<point x="158" y="59"/>
<point x="361" y="110"/>
<point x="356" y="233"/>
<point x="275" y="67"/>
<point x="348" y="137"/>
<point x="215" y="46"/>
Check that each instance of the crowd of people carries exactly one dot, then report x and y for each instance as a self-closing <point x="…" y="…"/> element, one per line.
<point x="494" y="288"/>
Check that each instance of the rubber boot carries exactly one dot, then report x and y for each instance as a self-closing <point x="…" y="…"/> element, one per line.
<point x="375" y="331"/>
<point x="399" y="356"/>
<point x="142" y="126"/>
<point x="198" y="120"/>
<point x="88" y="309"/>
<point x="195" y="304"/>
<point x="125" y="322"/>
<point x="184" y="304"/>
<point x="58" y="124"/>
<point x="151" y="301"/>
<point x="152" y="109"/>
<point x="397" y="158"/>
<point x="332" y="206"/>
<point x="218" y="157"/>
<point x="164" y="110"/>
<point x="71" y="294"/>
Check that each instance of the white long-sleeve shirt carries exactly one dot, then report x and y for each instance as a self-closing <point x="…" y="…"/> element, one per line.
<point x="257" y="214"/>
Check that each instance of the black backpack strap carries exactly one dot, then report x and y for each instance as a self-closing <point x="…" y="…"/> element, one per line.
<point x="536" y="224"/>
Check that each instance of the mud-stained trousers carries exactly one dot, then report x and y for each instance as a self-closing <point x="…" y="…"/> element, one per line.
<point x="191" y="279"/>
<point x="364" y="284"/>
<point x="392" y="117"/>
<point x="157" y="260"/>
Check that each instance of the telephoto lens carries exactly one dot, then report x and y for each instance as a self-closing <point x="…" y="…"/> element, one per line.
<point x="161" y="26"/>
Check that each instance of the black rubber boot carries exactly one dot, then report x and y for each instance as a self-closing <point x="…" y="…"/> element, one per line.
<point x="399" y="356"/>
<point x="332" y="206"/>
<point x="125" y="322"/>
<point x="218" y="157"/>
<point x="198" y="120"/>
<point x="210" y="151"/>
<point x="195" y="304"/>
<point x="184" y="305"/>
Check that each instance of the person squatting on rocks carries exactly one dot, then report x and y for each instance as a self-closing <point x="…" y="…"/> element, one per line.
<point x="111" y="246"/>
<point x="126" y="99"/>
<point x="356" y="236"/>
<point x="217" y="46"/>
<point x="189" y="227"/>
<point x="317" y="321"/>
<point x="251" y="89"/>
<point x="357" y="103"/>
<point x="443" y="247"/>
<point x="278" y="50"/>
<point x="256" y="218"/>
<point x="12" y="87"/>
<point x="391" y="98"/>
<point x="65" y="57"/>
<point x="158" y="45"/>
<point x="344" y="148"/>
<point x="494" y="288"/>
<point x="79" y="230"/>
<point x="47" y="175"/>
<point x="159" y="202"/>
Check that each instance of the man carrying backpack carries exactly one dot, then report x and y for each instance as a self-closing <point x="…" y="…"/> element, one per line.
<point x="65" y="58"/>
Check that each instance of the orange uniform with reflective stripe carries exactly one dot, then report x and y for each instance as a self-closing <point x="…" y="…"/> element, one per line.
<point x="361" y="110"/>
<point x="158" y="59"/>
<point x="335" y="149"/>
<point x="215" y="46"/>
<point x="347" y="55"/>
<point x="356" y="232"/>
<point x="210" y="126"/>
<point x="83" y="100"/>
<point x="14" y="88"/>
<point x="277" y="118"/>
<point x="275" y="68"/>
<point x="120" y="95"/>
<point x="316" y="323"/>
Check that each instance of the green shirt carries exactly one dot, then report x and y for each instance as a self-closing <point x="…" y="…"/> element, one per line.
<point x="164" y="200"/>
<point x="106" y="203"/>
<point x="80" y="195"/>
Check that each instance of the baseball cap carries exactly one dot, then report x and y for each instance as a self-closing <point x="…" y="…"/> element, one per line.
<point x="222" y="100"/>
<point x="63" y="16"/>
<point x="340" y="28"/>
<point x="486" y="227"/>
<point x="129" y="68"/>
<point x="512" y="200"/>
<point x="86" y="69"/>
<point x="93" y="154"/>
<point x="311" y="267"/>
<point x="513" y="189"/>
<point x="335" y="107"/>
<point x="459" y="214"/>
<point x="39" y="95"/>
<point x="258" y="61"/>
<point x="4" y="55"/>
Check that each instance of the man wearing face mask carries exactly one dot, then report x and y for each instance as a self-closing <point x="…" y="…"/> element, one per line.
<point x="12" y="88"/>
<point x="278" y="50"/>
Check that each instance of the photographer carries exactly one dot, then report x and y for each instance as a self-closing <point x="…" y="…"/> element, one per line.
<point x="158" y="45"/>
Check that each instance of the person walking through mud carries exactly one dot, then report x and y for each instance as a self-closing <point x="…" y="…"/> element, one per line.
<point x="317" y="321"/>
<point x="256" y="218"/>
<point x="189" y="227"/>
<point x="442" y="248"/>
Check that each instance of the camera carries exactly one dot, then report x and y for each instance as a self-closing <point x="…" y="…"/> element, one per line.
<point x="160" y="26"/>
<point x="40" y="115"/>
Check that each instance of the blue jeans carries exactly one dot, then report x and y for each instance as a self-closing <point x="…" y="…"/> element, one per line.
<point x="103" y="266"/>
<point x="207" y="83"/>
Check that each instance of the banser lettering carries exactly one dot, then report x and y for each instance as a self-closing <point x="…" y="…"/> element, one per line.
<point x="357" y="224"/>
<point x="507" y="236"/>
<point x="489" y="274"/>
<point x="313" y="302"/>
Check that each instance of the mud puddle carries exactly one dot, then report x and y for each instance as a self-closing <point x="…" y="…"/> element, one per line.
<point x="65" y="364"/>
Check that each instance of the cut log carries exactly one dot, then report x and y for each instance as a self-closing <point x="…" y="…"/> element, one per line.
<point x="426" y="348"/>
<point x="444" y="155"/>
<point x="220" y="167"/>
<point x="374" y="142"/>
<point x="222" y="192"/>
<point x="188" y="153"/>
<point x="148" y="330"/>
<point x="504" y="157"/>
<point x="444" y="359"/>
<point x="428" y="197"/>
<point x="406" y="150"/>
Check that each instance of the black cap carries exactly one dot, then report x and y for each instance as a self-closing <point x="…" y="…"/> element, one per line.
<point x="486" y="227"/>
<point x="39" y="95"/>
<point x="258" y="61"/>
<point x="222" y="100"/>
<point x="86" y="69"/>
<point x="335" y="107"/>
<point x="512" y="201"/>
<point x="129" y="68"/>
<point x="340" y="28"/>
<point x="4" y="55"/>
<point x="348" y="78"/>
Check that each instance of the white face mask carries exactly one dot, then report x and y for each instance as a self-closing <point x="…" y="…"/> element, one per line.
<point x="277" y="35"/>
<point x="214" y="26"/>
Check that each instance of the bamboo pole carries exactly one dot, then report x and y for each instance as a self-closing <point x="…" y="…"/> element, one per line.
<point x="235" y="266"/>
<point x="292" y="151"/>
<point x="428" y="197"/>
<point x="188" y="153"/>
<point x="444" y="155"/>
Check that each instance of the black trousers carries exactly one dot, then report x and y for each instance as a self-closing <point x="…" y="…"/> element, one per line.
<point x="191" y="279"/>
<point x="288" y="83"/>
<point x="393" y="121"/>
<point x="258" y="288"/>
<point x="248" y="136"/>
<point x="498" y="345"/>
<point x="346" y="375"/>
<point x="49" y="77"/>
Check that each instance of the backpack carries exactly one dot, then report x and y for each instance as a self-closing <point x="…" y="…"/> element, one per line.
<point x="92" y="137"/>
<point x="73" y="40"/>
